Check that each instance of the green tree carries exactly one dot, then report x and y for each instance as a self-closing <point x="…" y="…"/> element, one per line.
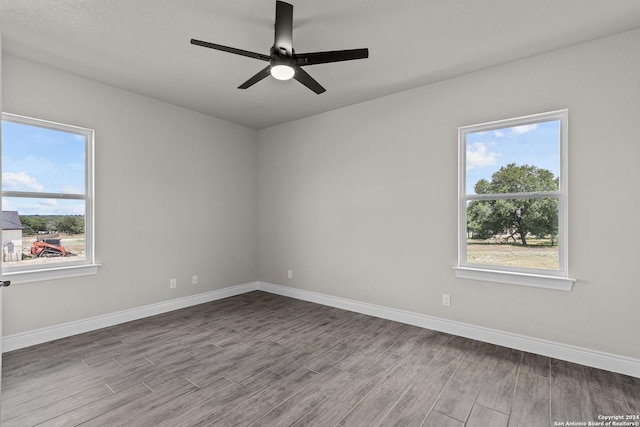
<point x="515" y="217"/>
<point x="33" y="223"/>
<point x="71" y="225"/>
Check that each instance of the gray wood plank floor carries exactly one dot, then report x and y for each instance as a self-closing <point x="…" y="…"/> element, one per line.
<point x="266" y="360"/>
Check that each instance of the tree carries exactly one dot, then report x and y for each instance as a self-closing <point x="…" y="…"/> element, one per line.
<point x="33" y="223"/>
<point x="71" y="225"/>
<point x="515" y="217"/>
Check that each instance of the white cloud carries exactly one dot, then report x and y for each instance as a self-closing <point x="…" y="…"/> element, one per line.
<point x="478" y="155"/>
<point x="20" y="181"/>
<point x="41" y="207"/>
<point x="498" y="134"/>
<point x="71" y="190"/>
<point x="524" y="128"/>
<point x="7" y="205"/>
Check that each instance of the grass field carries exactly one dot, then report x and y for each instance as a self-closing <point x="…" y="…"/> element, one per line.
<point x="538" y="254"/>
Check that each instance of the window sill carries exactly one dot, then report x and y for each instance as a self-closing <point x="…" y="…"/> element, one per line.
<point x="27" y="276"/>
<point x="513" y="278"/>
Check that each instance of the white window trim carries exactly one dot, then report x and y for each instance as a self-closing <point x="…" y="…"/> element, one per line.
<point x="54" y="271"/>
<point x="549" y="279"/>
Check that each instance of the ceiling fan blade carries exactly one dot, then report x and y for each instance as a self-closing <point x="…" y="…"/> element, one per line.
<point x="283" y="42"/>
<point x="231" y="50"/>
<point x="312" y="58"/>
<point x="265" y="72"/>
<point x="304" y="78"/>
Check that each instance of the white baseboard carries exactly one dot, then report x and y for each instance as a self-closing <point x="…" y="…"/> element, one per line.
<point x="39" y="336"/>
<point x="583" y="356"/>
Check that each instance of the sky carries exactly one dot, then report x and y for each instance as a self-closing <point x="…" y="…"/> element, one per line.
<point x="534" y="145"/>
<point x="42" y="160"/>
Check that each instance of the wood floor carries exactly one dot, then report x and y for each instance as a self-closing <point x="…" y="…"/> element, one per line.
<point x="266" y="360"/>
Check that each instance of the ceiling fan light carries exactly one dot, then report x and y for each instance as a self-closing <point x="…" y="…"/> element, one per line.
<point x="282" y="72"/>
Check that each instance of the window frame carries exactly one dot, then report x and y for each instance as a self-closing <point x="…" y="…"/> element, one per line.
<point x="51" y="271"/>
<point x="550" y="279"/>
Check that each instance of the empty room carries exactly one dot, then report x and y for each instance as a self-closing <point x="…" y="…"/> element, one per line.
<point x="336" y="213"/>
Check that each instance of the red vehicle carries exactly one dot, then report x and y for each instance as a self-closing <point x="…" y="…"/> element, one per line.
<point x="48" y="248"/>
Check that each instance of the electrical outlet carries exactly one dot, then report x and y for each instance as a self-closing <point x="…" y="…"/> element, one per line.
<point x="194" y="280"/>
<point x="446" y="300"/>
<point x="290" y="274"/>
<point x="173" y="283"/>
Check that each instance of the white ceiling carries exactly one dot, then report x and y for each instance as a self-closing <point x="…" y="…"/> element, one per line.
<point x="143" y="45"/>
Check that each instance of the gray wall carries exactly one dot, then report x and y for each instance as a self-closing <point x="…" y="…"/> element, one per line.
<point x="175" y="196"/>
<point x="361" y="202"/>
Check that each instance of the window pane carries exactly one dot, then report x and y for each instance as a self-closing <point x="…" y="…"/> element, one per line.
<point x="515" y="159"/>
<point x="42" y="231"/>
<point x="47" y="200"/>
<point x="520" y="233"/>
<point x="42" y="160"/>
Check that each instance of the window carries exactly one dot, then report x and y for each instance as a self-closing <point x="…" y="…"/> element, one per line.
<point x="47" y="200"/>
<point x="513" y="201"/>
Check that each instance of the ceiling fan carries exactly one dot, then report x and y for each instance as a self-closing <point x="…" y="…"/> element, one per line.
<point x="284" y="63"/>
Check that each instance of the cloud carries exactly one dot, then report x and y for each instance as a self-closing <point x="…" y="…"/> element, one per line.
<point x="498" y="134"/>
<point x="69" y="189"/>
<point x="7" y="205"/>
<point x="20" y="181"/>
<point x="42" y="206"/>
<point x="478" y="155"/>
<point x="524" y="128"/>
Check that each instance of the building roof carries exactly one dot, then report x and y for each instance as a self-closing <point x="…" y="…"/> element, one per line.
<point x="11" y="221"/>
